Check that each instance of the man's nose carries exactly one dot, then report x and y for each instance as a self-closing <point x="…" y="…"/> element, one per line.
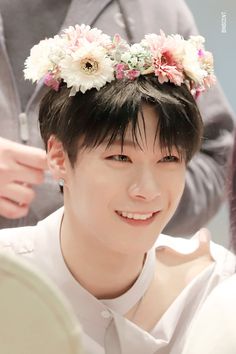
<point x="145" y="185"/>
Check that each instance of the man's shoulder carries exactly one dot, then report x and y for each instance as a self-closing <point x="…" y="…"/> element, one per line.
<point x="17" y="240"/>
<point x="22" y="240"/>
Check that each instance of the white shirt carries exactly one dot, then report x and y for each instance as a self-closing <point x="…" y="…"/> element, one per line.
<point x="105" y="328"/>
<point x="213" y="329"/>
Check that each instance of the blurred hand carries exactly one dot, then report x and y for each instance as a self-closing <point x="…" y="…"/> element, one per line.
<point x="21" y="167"/>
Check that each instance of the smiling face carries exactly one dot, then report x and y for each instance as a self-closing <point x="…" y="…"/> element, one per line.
<point x="124" y="197"/>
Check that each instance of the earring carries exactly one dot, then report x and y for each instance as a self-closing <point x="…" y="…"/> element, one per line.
<point x="61" y="185"/>
<point x="61" y="182"/>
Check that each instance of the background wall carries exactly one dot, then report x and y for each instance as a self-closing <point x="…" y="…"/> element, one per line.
<point x="216" y="20"/>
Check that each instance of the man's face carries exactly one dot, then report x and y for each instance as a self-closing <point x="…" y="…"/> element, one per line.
<point x="123" y="198"/>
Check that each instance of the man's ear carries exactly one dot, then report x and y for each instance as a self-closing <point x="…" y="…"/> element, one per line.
<point x="56" y="158"/>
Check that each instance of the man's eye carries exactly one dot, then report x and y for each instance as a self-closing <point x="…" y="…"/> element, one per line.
<point x="119" y="158"/>
<point x="170" y="158"/>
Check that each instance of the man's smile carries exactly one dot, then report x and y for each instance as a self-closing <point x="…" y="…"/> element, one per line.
<point x="137" y="218"/>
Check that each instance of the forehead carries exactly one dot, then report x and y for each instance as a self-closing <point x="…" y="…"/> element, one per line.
<point x="145" y="131"/>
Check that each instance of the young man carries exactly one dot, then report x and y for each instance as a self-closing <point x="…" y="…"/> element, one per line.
<point x="120" y="125"/>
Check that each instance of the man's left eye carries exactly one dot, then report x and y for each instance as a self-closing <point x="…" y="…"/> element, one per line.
<point x="169" y="158"/>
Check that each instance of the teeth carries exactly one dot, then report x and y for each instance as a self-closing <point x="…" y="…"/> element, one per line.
<point x="135" y="216"/>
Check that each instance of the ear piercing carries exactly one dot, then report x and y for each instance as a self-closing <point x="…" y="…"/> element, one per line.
<point x="61" y="182"/>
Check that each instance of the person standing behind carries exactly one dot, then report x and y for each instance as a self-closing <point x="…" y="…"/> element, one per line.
<point x="132" y="19"/>
<point x="21" y="167"/>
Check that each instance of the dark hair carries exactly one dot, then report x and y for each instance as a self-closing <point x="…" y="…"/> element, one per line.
<point x="232" y="197"/>
<point x="97" y="116"/>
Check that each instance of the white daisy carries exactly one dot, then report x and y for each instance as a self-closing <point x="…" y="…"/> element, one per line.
<point x="86" y="68"/>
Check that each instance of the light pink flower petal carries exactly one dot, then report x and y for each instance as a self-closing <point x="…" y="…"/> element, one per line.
<point x="50" y="81"/>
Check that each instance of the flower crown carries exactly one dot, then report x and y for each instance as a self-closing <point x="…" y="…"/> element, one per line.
<point x="85" y="58"/>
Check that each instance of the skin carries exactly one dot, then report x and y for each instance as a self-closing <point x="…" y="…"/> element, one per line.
<point x="21" y="167"/>
<point x="104" y="252"/>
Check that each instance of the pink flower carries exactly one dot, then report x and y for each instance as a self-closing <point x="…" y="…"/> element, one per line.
<point x="120" y="67"/>
<point x="50" y="81"/>
<point x="120" y="71"/>
<point x="155" y="42"/>
<point x="132" y="74"/>
<point x="209" y="80"/>
<point x="167" y="70"/>
<point x="117" y="39"/>
<point x="78" y="35"/>
<point x="197" y="93"/>
<point x="200" y="53"/>
<point x="120" y="75"/>
<point x="168" y="73"/>
<point x="168" y="59"/>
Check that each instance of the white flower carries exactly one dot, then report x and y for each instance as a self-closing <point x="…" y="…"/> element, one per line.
<point x="191" y="64"/>
<point x="43" y="58"/>
<point x="129" y="59"/>
<point x="126" y="57"/>
<point x="197" y="41"/>
<point x="137" y="57"/>
<point x="176" y="45"/>
<point x="88" y="67"/>
<point x="154" y="42"/>
<point x="137" y="49"/>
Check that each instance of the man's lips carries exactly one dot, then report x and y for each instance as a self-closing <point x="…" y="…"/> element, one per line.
<point x="138" y="218"/>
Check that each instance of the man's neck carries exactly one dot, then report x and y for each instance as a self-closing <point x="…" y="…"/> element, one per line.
<point x="104" y="273"/>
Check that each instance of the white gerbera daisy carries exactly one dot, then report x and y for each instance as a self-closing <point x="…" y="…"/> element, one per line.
<point x="86" y="68"/>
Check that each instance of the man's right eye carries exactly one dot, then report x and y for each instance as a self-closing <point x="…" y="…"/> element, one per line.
<point x="119" y="158"/>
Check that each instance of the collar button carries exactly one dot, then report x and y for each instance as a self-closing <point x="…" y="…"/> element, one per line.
<point x="106" y="314"/>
